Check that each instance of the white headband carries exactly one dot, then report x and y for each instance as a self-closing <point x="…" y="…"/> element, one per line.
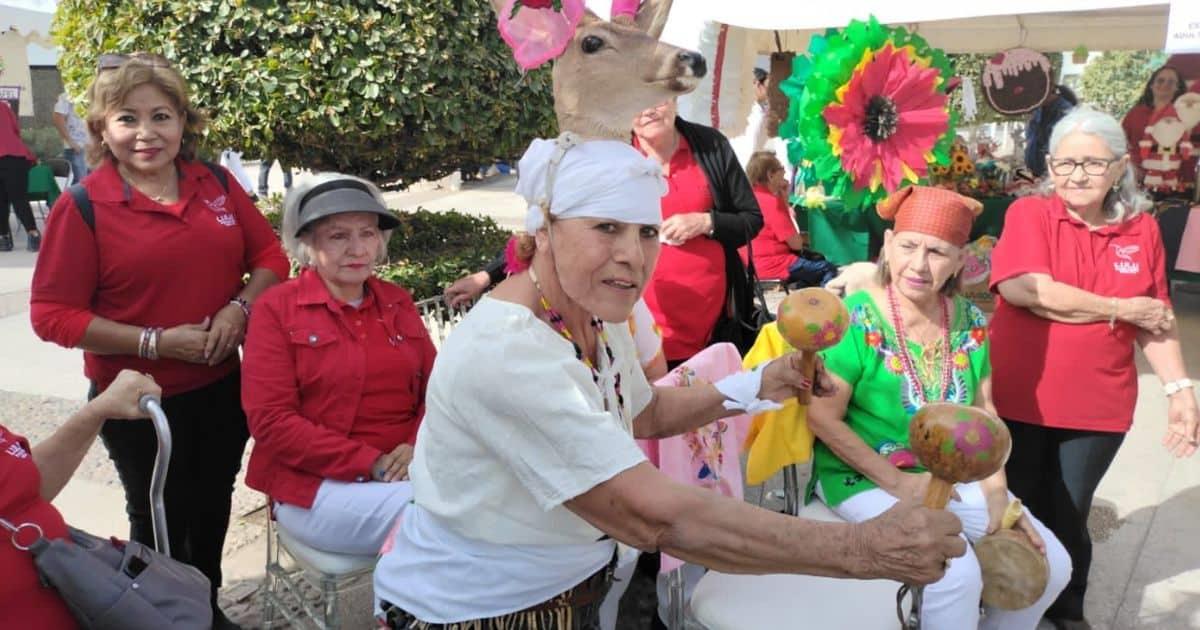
<point x="599" y="179"/>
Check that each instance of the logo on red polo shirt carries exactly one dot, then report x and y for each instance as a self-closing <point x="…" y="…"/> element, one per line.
<point x="224" y="217"/>
<point x="1127" y="265"/>
<point x="13" y="448"/>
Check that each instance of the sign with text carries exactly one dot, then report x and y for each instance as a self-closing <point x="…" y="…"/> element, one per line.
<point x="1183" y="26"/>
<point x="12" y="95"/>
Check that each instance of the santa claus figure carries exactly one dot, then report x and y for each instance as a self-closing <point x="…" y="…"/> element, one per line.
<point x="1167" y="143"/>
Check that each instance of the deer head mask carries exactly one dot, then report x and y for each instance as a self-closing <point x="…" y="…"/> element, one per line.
<point x="610" y="71"/>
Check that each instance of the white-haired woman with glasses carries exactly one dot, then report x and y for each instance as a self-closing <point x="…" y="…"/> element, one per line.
<point x="1081" y="277"/>
<point x="334" y="373"/>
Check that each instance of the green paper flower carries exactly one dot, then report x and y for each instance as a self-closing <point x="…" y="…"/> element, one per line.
<point x="837" y="84"/>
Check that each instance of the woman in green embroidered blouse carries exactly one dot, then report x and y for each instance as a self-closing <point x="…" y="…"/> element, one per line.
<point x="912" y="340"/>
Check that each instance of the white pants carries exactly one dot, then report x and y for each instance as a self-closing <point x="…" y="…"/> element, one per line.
<point x="952" y="603"/>
<point x="350" y="518"/>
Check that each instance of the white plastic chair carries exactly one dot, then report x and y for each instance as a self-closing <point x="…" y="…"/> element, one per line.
<point x="725" y="601"/>
<point x="292" y="566"/>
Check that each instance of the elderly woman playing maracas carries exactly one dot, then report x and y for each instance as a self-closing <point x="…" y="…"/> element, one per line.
<point x="912" y="341"/>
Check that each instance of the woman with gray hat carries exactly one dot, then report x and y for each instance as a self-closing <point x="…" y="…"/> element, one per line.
<point x="333" y="380"/>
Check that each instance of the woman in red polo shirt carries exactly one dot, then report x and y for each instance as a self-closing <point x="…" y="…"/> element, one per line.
<point x="335" y="372"/>
<point x="708" y="212"/>
<point x="154" y="282"/>
<point x="1081" y="280"/>
<point x="32" y="478"/>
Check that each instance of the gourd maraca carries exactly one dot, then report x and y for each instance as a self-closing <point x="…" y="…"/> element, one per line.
<point x="957" y="444"/>
<point x="811" y="320"/>
<point x="1014" y="572"/>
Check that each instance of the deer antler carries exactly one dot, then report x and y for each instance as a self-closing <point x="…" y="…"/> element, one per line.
<point x="652" y="17"/>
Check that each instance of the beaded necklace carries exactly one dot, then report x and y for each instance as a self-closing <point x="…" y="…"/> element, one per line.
<point x="560" y="325"/>
<point x="906" y="360"/>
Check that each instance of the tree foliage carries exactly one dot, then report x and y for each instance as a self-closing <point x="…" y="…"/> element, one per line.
<point x="389" y="90"/>
<point x="1114" y="81"/>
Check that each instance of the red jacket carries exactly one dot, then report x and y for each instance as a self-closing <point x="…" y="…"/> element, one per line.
<point x="324" y="395"/>
<point x="146" y="264"/>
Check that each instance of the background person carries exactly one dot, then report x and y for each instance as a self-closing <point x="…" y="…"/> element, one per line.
<point x="1081" y="280"/>
<point x="15" y="161"/>
<point x="1041" y="123"/>
<point x="334" y="376"/>
<point x="156" y="285"/>
<point x="708" y="212"/>
<point x="1162" y="88"/>
<point x="780" y="250"/>
<point x="74" y="134"/>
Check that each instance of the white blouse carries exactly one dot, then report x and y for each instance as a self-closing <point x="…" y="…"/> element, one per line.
<point x="514" y="427"/>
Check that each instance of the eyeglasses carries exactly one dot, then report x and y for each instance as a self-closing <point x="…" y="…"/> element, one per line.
<point x="1091" y="166"/>
<point x="1165" y="81"/>
<point x="112" y="61"/>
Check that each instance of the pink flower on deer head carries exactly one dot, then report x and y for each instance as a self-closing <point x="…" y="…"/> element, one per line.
<point x="537" y="32"/>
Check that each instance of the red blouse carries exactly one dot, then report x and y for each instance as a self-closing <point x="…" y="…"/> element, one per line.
<point x="327" y="387"/>
<point x="10" y="135"/>
<point x="687" y="291"/>
<point x="772" y="256"/>
<point x="24" y="601"/>
<point x="1073" y="376"/>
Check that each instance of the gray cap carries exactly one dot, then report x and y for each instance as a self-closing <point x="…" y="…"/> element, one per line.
<point x="339" y="196"/>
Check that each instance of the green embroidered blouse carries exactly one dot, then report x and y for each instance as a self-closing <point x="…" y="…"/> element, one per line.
<point x="884" y="398"/>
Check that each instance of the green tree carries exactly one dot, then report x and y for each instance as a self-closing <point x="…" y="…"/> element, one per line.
<point x="395" y="90"/>
<point x="1114" y="81"/>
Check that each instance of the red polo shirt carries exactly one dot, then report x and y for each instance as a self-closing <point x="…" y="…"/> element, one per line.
<point x="687" y="290"/>
<point x="772" y="257"/>
<point x="1074" y="376"/>
<point x="24" y="601"/>
<point x="147" y="264"/>
<point x="328" y="387"/>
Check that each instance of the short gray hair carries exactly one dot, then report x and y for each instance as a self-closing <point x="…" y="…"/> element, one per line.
<point x="1124" y="202"/>
<point x="293" y="244"/>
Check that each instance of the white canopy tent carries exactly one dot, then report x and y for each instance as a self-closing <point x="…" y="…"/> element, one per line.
<point x="23" y="29"/>
<point x="733" y="34"/>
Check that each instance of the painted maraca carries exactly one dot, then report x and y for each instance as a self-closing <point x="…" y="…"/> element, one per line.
<point x="957" y="444"/>
<point x="811" y="320"/>
<point x="1015" y="573"/>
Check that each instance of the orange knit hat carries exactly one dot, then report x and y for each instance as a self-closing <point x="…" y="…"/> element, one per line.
<point x="933" y="211"/>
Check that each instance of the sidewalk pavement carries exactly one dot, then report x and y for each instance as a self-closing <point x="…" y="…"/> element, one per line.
<point x="1146" y="572"/>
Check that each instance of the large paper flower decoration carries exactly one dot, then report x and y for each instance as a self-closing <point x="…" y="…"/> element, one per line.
<point x="868" y="108"/>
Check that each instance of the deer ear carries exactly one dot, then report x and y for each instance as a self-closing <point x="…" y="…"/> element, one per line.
<point x="652" y="17"/>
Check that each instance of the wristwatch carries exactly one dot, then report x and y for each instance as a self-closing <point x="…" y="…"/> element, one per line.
<point x="1174" y="387"/>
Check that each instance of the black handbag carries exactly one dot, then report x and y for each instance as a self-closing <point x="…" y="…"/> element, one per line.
<point x="746" y="309"/>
